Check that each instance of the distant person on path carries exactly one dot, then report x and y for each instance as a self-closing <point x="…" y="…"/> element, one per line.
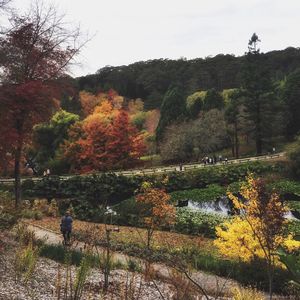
<point x="48" y="172"/>
<point x="214" y="159"/>
<point x="273" y="150"/>
<point x="66" y="227"/>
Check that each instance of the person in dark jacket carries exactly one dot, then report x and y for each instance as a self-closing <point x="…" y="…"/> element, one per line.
<point x="66" y="227"/>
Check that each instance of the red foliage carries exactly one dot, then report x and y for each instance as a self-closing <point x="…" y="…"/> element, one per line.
<point x="34" y="53"/>
<point x="125" y="145"/>
<point x="103" y="144"/>
<point x="24" y="105"/>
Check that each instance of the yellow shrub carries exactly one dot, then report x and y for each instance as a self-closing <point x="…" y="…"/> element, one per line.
<point x="247" y="294"/>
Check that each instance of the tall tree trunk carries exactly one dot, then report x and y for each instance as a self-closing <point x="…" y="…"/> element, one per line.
<point x="107" y="262"/>
<point x="258" y="133"/>
<point x="17" y="173"/>
<point x="271" y="276"/>
<point x="236" y="140"/>
<point x="258" y="142"/>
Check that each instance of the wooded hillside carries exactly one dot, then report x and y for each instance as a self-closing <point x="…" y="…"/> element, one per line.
<point x="150" y="79"/>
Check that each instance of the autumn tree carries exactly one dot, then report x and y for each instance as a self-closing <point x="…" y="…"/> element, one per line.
<point x="157" y="210"/>
<point x="86" y="148"/>
<point x="259" y="230"/>
<point x="104" y="140"/>
<point x="34" y="52"/>
<point x="89" y="101"/>
<point x="125" y="145"/>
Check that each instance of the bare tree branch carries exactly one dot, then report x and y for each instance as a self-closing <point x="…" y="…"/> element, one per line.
<point x="4" y="4"/>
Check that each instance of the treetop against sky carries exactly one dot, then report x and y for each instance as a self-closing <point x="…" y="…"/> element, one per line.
<point x="134" y="30"/>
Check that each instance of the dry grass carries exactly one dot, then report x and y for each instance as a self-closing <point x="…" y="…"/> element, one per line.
<point x="131" y="235"/>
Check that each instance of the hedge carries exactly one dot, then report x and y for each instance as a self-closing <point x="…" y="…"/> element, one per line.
<point x="112" y="188"/>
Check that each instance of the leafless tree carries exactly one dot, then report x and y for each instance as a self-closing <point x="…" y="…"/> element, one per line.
<point x="4" y="4"/>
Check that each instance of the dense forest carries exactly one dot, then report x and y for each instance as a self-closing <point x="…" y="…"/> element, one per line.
<point x="151" y="79"/>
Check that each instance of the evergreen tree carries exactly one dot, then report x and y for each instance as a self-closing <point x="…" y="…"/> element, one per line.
<point x="234" y="116"/>
<point x="291" y="97"/>
<point x="172" y="109"/>
<point x="213" y="100"/>
<point x="71" y="104"/>
<point x="261" y="104"/>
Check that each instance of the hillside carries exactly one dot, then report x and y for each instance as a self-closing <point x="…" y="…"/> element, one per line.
<point x="150" y="79"/>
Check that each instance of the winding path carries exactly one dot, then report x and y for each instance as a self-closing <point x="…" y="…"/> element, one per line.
<point x="210" y="283"/>
<point x="167" y="169"/>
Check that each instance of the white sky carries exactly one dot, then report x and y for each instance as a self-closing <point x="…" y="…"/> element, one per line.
<point x="127" y="31"/>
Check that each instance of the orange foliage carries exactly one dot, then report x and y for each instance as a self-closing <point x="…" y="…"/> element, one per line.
<point x="105" y="109"/>
<point x="125" y="145"/>
<point x="104" y="140"/>
<point x="158" y="211"/>
<point x="88" y="102"/>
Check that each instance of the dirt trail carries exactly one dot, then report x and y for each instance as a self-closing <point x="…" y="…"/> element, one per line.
<point x="210" y="283"/>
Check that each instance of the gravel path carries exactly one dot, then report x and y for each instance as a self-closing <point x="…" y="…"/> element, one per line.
<point x="43" y="285"/>
<point x="211" y="283"/>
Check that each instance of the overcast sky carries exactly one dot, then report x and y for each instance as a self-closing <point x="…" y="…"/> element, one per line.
<point x="127" y="31"/>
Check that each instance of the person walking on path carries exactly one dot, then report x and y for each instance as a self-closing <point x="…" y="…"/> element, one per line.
<point x="66" y="227"/>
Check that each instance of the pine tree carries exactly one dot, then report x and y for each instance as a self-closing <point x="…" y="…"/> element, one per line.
<point x="172" y="109"/>
<point x="261" y="104"/>
<point x="291" y="97"/>
<point x="213" y="100"/>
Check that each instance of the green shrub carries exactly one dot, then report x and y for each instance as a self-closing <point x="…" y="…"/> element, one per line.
<point x="28" y="214"/>
<point x="38" y="215"/>
<point x="210" y="193"/>
<point x="287" y="186"/>
<point x="133" y="265"/>
<point x="197" y="223"/>
<point x="294" y="205"/>
<point x="89" y="194"/>
<point x="27" y="184"/>
<point x="294" y="227"/>
<point x="127" y="212"/>
<point x="8" y="219"/>
<point x="249" y="274"/>
<point x="234" y="187"/>
<point x="58" y="253"/>
<point x="8" y="214"/>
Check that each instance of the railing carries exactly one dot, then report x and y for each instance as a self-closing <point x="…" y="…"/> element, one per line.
<point x="162" y="170"/>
